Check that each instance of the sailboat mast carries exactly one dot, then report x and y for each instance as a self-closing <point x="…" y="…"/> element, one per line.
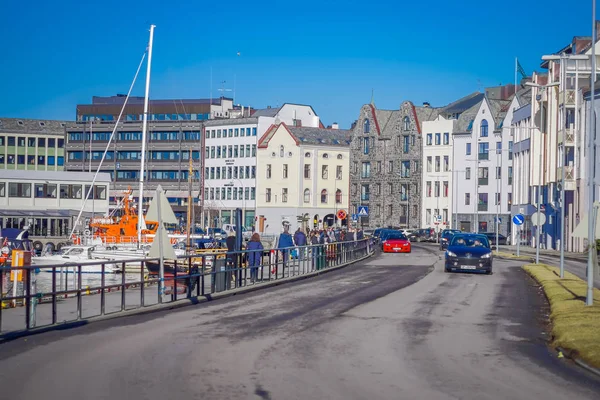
<point x="144" y="129"/>
<point x="190" y="205"/>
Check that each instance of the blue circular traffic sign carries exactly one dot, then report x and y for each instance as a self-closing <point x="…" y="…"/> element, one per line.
<point x="518" y="219"/>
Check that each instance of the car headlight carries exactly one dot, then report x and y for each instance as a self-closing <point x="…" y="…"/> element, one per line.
<point x="450" y="254"/>
<point x="487" y="255"/>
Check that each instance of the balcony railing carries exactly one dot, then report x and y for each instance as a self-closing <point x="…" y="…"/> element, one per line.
<point x="484" y="156"/>
<point x="482" y="207"/>
<point x="569" y="177"/>
<point x="567" y="135"/>
<point x="568" y="98"/>
<point x="483" y="181"/>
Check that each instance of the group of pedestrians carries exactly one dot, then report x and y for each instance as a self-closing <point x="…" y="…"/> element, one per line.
<point x="297" y="246"/>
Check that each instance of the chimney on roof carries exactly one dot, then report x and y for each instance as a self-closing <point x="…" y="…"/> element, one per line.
<point x="426" y="104"/>
<point x="335" y="126"/>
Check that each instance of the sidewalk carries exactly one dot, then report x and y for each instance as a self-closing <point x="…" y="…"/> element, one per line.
<point x="527" y="250"/>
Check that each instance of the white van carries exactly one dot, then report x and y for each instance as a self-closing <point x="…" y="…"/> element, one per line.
<point x="246" y="234"/>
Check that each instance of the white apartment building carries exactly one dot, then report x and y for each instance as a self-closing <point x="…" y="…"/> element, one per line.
<point x="230" y="161"/>
<point x="482" y="164"/>
<point x="437" y="173"/>
<point x="304" y="178"/>
<point x="438" y="176"/>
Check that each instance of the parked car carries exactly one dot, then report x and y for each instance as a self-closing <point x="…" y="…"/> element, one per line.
<point x="469" y="252"/>
<point x="446" y="237"/>
<point x="424" y="235"/>
<point x="502" y="240"/>
<point x="396" y="243"/>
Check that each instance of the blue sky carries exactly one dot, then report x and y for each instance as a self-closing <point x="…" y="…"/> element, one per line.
<point x="329" y="54"/>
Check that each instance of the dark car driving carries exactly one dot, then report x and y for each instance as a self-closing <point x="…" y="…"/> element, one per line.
<point x="446" y="237"/>
<point x="469" y="252"/>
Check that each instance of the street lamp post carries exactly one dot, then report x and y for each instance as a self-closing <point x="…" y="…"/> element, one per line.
<point x="590" y="150"/>
<point x="539" y="206"/>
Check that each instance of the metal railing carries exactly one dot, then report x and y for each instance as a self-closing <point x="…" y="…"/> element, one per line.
<point x="49" y="295"/>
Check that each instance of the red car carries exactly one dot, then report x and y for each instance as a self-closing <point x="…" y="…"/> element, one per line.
<point x="396" y="244"/>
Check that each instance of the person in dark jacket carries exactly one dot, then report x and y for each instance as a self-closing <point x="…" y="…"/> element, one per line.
<point x="300" y="240"/>
<point x="232" y="257"/>
<point x="254" y="248"/>
<point x="286" y="242"/>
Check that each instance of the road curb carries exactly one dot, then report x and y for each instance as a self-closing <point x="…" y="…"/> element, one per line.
<point x="10" y="336"/>
<point x="579" y="361"/>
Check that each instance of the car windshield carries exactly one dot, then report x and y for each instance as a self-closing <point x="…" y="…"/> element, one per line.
<point x="470" y="241"/>
<point x="396" y="236"/>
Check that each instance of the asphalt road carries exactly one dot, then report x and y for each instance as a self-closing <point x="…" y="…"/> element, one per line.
<point x="385" y="329"/>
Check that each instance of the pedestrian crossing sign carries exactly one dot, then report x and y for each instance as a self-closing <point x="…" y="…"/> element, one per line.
<point x="363" y="211"/>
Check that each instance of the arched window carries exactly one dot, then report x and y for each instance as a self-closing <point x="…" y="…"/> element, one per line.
<point x="406" y="123"/>
<point x="367" y="126"/>
<point x="325" y="155"/>
<point x="281" y="151"/>
<point x="307" y="195"/>
<point x="338" y="196"/>
<point x="483" y="130"/>
<point x="324" y="196"/>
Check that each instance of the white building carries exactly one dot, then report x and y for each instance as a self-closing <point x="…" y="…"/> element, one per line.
<point x="230" y="151"/>
<point x="522" y="130"/>
<point x="438" y="182"/>
<point x="482" y="165"/>
<point x="49" y="201"/>
<point x="304" y="177"/>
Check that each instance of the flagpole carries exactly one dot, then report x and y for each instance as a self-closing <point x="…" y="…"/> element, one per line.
<point x="516" y="68"/>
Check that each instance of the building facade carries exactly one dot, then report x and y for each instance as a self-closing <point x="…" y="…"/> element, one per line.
<point x="109" y="108"/>
<point x="32" y="145"/>
<point x="48" y="202"/>
<point x="385" y="165"/>
<point x="303" y="176"/>
<point x="483" y="152"/>
<point x="230" y="161"/>
<point x="170" y="148"/>
<point x="438" y="172"/>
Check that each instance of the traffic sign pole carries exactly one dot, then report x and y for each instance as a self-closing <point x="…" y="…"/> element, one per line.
<point x="518" y="220"/>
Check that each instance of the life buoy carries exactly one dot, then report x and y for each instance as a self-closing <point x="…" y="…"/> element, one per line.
<point x="87" y="233"/>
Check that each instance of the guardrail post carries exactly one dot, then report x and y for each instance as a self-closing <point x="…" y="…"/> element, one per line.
<point x="27" y="294"/>
<point x="103" y="290"/>
<point x="79" y="282"/>
<point x="122" y="292"/>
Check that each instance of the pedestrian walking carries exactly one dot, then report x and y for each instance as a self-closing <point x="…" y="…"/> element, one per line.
<point x="255" y="250"/>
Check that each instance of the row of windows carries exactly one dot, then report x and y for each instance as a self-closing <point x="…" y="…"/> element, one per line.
<point x="367" y="125"/>
<point x="243" y="172"/>
<point x="135" y="136"/>
<point x="324" y="197"/>
<point x="157" y="175"/>
<point x="437" y="192"/>
<point x="51" y="191"/>
<point x="307" y="172"/>
<point x="482" y="200"/>
<point x="484" y="150"/>
<point x="404" y="168"/>
<point x="134" y="155"/>
<point x="438" y="164"/>
<point x="429" y="218"/>
<point x="151" y="117"/>
<point x="231" y="132"/>
<point x="231" y="151"/>
<point x="405" y="190"/>
<point x="230" y="193"/>
<point x="21" y="141"/>
<point x="483" y="174"/>
<point x="32" y="160"/>
<point x="438" y="139"/>
<point x="53" y="227"/>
